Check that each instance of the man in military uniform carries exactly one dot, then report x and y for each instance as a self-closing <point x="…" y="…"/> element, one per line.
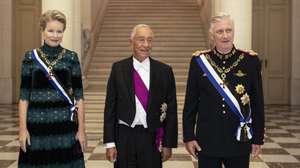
<point x="224" y="101"/>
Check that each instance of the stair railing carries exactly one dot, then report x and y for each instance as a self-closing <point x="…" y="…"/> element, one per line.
<point x="89" y="41"/>
<point x="205" y="14"/>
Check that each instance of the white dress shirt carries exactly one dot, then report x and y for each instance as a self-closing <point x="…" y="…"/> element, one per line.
<point x="140" y="118"/>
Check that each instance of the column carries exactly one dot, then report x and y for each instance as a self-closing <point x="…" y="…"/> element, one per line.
<point x="241" y="13"/>
<point x="295" y="60"/>
<point x="6" y="54"/>
<point x="71" y="8"/>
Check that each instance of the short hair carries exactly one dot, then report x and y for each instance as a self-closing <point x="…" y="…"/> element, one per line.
<point x="136" y="27"/>
<point x="219" y="17"/>
<point x="52" y="15"/>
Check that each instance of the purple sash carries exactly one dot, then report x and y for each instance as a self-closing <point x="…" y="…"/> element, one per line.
<point x="142" y="93"/>
<point x="140" y="89"/>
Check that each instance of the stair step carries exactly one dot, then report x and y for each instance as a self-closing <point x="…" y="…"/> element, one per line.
<point x="155" y="43"/>
<point x="184" y="58"/>
<point x="176" y="40"/>
<point x="152" y="11"/>
<point x="152" y="19"/>
<point x="156" y="49"/>
<point x="108" y="70"/>
<point x="154" y="26"/>
<point x="106" y="33"/>
<point x="151" y="8"/>
<point x="119" y="32"/>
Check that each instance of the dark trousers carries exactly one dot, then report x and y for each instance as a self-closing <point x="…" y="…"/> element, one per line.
<point x="228" y="162"/>
<point x="136" y="148"/>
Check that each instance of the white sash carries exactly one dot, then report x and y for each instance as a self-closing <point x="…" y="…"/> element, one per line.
<point x="226" y="93"/>
<point x="53" y="81"/>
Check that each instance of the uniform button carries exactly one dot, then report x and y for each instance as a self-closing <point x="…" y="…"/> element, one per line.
<point x="224" y="62"/>
<point x="224" y="112"/>
<point x="223" y="99"/>
<point x="223" y="67"/>
<point x="223" y="105"/>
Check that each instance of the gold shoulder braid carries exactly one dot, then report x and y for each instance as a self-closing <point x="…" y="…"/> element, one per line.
<point x="52" y="63"/>
<point x="198" y="52"/>
<point x="223" y="72"/>
<point x="250" y="52"/>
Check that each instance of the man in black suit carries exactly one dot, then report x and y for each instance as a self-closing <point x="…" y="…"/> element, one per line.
<point x="224" y="102"/>
<point x="140" y="117"/>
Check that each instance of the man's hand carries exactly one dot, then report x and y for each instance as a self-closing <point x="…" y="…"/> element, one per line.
<point x="256" y="150"/>
<point x="111" y="154"/>
<point x="192" y="147"/>
<point x="166" y="154"/>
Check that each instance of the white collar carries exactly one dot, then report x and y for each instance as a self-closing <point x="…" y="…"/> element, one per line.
<point x="145" y="64"/>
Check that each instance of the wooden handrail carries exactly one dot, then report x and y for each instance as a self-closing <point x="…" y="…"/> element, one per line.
<point x="86" y="59"/>
<point x="205" y="14"/>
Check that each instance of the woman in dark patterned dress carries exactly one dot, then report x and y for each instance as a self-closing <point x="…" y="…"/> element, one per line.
<point x="48" y="138"/>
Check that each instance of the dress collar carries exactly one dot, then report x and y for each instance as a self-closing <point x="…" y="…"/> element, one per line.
<point x="51" y="50"/>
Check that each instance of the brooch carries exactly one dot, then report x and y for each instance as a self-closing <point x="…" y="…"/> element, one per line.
<point x="240" y="89"/>
<point x="240" y="74"/>
<point x="163" y="111"/>
<point x="70" y="91"/>
<point x="245" y="99"/>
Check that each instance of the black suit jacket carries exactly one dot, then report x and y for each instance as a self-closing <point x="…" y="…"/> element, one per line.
<point x="120" y="100"/>
<point x="205" y="110"/>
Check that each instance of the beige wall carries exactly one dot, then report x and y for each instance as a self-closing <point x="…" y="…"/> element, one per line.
<point x="295" y="81"/>
<point x="86" y="14"/>
<point x="241" y="12"/>
<point x="6" y="79"/>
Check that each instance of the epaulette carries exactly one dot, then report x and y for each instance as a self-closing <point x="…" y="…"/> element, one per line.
<point x="198" y="52"/>
<point x="250" y="52"/>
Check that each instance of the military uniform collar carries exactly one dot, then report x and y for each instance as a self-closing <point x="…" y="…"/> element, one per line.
<point x="224" y="56"/>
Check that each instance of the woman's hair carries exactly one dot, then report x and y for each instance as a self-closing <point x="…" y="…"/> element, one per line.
<point x="52" y="15"/>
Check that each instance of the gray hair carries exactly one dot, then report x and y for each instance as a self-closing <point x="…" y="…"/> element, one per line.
<point x="221" y="16"/>
<point x="135" y="28"/>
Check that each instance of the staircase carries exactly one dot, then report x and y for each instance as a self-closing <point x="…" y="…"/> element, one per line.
<point x="178" y="33"/>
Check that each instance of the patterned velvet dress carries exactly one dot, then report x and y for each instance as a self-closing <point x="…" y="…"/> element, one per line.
<point x="52" y="133"/>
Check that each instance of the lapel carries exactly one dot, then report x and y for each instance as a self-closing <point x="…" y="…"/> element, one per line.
<point x="128" y="78"/>
<point x="152" y="82"/>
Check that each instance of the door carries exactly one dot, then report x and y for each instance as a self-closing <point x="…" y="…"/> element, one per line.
<point x="271" y="39"/>
<point x="27" y="34"/>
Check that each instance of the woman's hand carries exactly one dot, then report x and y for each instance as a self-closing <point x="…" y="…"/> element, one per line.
<point x="24" y="138"/>
<point x="81" y="137"/>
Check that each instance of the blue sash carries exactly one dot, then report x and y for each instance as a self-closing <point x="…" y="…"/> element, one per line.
<point x="227" y="95"/>
<point x="53" y="81"/>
